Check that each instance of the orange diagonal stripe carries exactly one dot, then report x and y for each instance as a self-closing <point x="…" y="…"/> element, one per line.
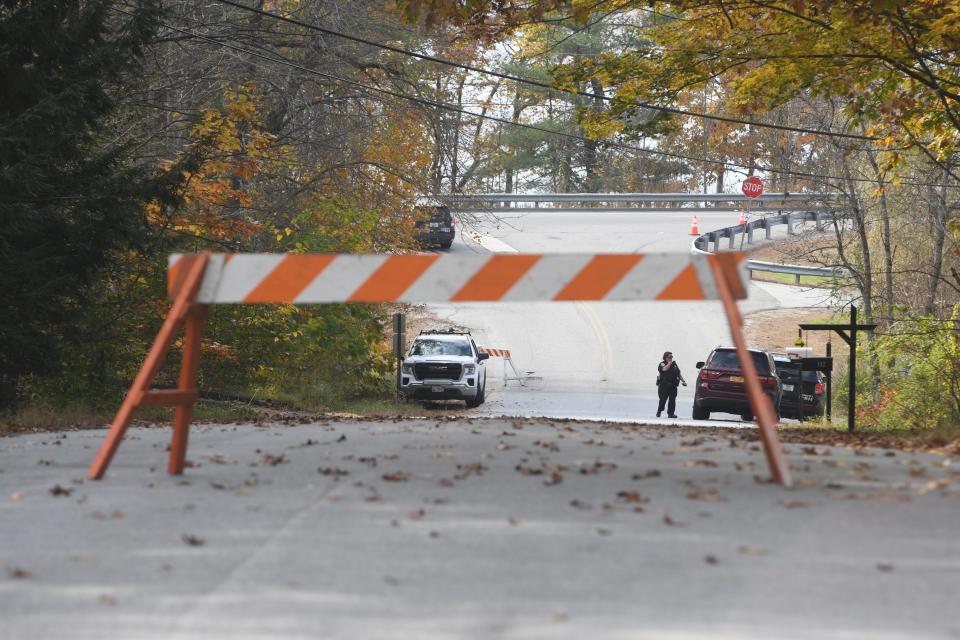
<point x="685" y="286"/>
<point x="600" y="275"/>
<point x="495" y="278"/>
<point x="394" y="276"/>
<point x="289" y="278"/>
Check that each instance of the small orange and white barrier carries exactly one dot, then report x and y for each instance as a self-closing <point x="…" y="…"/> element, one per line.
<point x="507" y="360"/>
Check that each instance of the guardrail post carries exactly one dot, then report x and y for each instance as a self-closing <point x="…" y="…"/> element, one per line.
<point x="789" y="225"/>
<point x="716" y="241"/>
<point x="733" y="235"/>
<point x="766" y="228"/>
<point x="750" y="228"/>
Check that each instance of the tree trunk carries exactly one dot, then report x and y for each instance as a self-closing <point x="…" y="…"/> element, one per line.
<point x="938" y="218"/>
<point x="886" y="241"/>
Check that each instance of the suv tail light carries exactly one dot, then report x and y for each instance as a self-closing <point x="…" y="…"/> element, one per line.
<point x="453" y="219"/>
<point x="819" y="388"/>
<point x="767" y="381"/>
<point x="709" y="375"/>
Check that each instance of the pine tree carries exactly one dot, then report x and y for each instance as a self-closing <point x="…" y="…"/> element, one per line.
<point x="69" y="199"/>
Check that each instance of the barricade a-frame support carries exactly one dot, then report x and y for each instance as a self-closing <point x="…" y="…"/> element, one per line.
<point x="185" y="311"/>
<point x="386" y="280"/>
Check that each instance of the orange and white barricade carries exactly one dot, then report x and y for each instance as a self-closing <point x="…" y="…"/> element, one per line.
<point x="197" y="281"/>
<point x="507" y="360"/>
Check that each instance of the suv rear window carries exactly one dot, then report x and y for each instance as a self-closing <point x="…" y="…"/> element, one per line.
<point x="793" y="369"/>
<point x="727" y="359"/>
<point x="435" y="214"/>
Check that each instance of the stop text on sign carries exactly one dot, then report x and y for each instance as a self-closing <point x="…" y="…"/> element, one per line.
<point x="752" y="187"/>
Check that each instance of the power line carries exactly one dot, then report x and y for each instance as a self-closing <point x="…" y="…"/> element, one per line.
<point x="448" y="107"/>
<point x="534" y="83"/>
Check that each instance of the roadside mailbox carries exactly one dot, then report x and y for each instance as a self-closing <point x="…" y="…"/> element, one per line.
<point x="816" y="364"/>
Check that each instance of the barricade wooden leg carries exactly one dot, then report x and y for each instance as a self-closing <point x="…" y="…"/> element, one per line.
<point x="196" y="318"/>
<point x="141" y="385"/>
<point x="759" y="401"/>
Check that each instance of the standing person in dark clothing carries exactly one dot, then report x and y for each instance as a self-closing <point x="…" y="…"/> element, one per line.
<point x="668" y="378"/>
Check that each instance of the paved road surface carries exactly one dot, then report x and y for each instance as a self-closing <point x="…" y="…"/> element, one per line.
<point x="494" y="530"/>
<point x="598" y="360"/>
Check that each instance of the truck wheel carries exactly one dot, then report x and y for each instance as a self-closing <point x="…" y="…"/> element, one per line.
<point x="478" y="399"/>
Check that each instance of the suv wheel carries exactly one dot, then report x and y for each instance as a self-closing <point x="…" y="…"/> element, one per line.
<point x="746" y="416"/>
<point x="446" y="245"/>
<point x="700" y="414"/>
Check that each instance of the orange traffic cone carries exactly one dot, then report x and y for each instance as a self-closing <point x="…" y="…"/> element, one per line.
<point x="743" y="217"/>
<point x="694" y="231"/>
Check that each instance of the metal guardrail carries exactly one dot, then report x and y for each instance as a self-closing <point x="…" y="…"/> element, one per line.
<point x="702" y="243"/>
<point x="767" y="223"/>
<point x="796" y="270"/>
<point x="719" y="201"/>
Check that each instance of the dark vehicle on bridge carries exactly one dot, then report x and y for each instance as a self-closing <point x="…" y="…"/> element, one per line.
<point x="436" y="226"/>
<point x="720" y="385"/>
<point x="800" y="388"/>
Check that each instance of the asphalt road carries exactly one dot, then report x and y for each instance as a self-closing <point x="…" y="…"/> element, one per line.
<point x="598" y="360"/>
<point x="490" y="529"/>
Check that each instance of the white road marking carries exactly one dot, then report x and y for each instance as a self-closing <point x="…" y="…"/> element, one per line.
<point x="491" y="244"/>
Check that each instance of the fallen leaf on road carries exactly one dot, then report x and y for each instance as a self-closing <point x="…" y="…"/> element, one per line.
<point x="667" y="520"/>
<point x="18" y="572"/>
<point x="632" y="496"/>
<point x="57" y="491"/>
<point x="554" y="479"/>
<point x="332" y="471"/>
<point x="192" y="540"/>
<point x="342" y="438"/>
<point x="397" y="476"/>
<point x="699" y="463"/>
<point x="106" y="598"/>
<point x="604" y="532"/>
<point x="794" y="504"/>
<point x="16" y="496"/>
<point x="419" y="514"/>
<point x="751" y="550"/>
<point x="513" y="522"/>
<point x="272" y="460"/>
<point x="577" y="504"/>
<point x="711" y="559"/>
<point x="653" y="473"/>
<point x="884" y="567"/>
<point x="933" y="485"/>
<point x="707" y="495"/>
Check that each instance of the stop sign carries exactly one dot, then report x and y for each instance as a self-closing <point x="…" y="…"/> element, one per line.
<point x="752" y="187"/>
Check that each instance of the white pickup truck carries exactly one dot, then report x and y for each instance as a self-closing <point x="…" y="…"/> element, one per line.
<point x="444" y="365"/>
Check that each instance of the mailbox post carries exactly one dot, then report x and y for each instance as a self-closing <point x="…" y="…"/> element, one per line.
<point x="399" y="342"/>
<point x="851" y="340"/>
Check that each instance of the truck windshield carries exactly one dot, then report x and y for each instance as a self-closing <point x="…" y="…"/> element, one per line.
<point x="440" y="348"/>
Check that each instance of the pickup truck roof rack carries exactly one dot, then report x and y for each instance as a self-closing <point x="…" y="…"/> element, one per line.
<point x="451" y="331"/>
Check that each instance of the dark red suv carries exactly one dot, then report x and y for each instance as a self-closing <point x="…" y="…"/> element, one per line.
<point x="720" y="385"/>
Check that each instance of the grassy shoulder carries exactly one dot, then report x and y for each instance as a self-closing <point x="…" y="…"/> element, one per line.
<point x="942" y="440"/>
